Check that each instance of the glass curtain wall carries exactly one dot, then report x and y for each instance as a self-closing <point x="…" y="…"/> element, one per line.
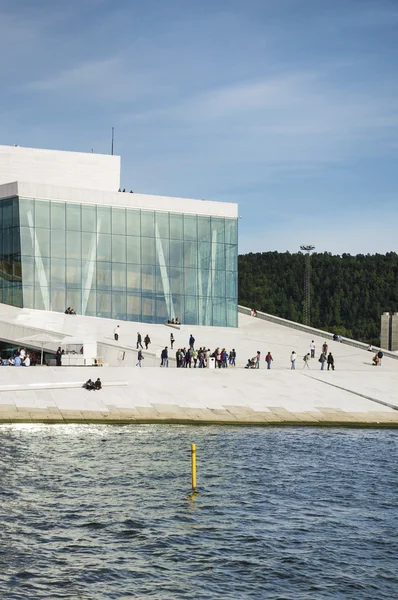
<point x="137" y="265"/>
<point x="10" y="253"/>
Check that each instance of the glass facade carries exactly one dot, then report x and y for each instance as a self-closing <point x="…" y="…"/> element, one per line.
<point x="126" y="264"/>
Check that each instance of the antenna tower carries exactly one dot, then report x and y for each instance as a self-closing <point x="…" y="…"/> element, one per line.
<point x="307" y="284"/>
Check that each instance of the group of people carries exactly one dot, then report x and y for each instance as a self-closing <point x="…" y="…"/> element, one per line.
<point x="70" y="311"/>
<point x="93" y="385"/>
<point x="324" y="357"/>
<point x="254" y="363"/>
<point x="377" y="358"/>
<point x="175" y="321"/>
<point x="20" y="358"/>
<point x="124" y="190"/>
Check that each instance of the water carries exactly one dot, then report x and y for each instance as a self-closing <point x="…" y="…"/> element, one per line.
<point x="102" y="512"/>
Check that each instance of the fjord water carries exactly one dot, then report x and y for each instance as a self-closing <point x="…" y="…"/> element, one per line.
<point x="103" y="512"/>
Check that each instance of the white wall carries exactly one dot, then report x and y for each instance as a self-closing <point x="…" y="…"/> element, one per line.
<point x="59" y="168"/>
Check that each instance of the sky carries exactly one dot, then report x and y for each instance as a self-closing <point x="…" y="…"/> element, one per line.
<point x="288" y="107"/>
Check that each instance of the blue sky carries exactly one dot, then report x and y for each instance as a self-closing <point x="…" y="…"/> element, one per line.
<point x="287" y="107"/>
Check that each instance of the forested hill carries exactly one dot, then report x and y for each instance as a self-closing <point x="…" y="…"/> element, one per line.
<point x="349" y="293"/>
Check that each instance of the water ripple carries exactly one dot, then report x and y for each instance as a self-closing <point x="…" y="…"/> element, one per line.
<point x="102" y="512"/>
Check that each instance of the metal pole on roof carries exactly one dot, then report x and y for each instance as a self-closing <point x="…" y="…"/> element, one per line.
<point x="113" y="139"/>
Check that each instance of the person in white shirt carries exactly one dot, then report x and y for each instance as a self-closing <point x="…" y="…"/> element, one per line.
<point x="22" y="354"/>
<point x="293" y="360"/>
<point x="312" y="348"/>
<point x="26" y="362"/>
<point x="116" y="332"/>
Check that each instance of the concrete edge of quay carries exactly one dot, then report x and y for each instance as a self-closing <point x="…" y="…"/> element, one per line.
<point x="329" y="418"/>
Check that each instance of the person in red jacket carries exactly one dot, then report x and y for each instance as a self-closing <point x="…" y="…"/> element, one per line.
<point x="268" y="360"/>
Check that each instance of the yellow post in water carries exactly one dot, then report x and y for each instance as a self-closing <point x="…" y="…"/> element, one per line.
<point x="193" y="455"/>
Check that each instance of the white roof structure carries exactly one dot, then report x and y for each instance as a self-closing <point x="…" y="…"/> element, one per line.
<point x="87" y="179"/>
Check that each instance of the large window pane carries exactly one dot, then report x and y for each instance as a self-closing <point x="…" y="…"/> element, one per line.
<point x="42" y="271"/>
<point x="232" y="313"/>
<point x="217" y="229"/>
<point x="176" y="226"/>
<point x="231" y="257"/>
<point x="219" y="284"/>
<point x="179" y="306"/>
<point x="89" y="274"/>
<point x="162" y="224"/>
<point x="41" y="297"/>
<point x="133" y="222"/>
<point x="148" y="256"/>
<point x="7" y="212"/>
<point x="218" y="258"/>
<point x="73" y="244"/>
<point x="204" y="229"/>
<point x="219" y="312"/>
<point x="231" y="231"/>
<point x="73" y="273"/>
<point x="134" y="307"/>
<point x="73" y="217"/>
<point x="119" y="276"/>
<point x="204" y="255"/>
<point x="162" y="251"/>
<point x="42" y="245"/>
<point x="26" y="212"/>
<point x="74" y="300"/>
<point x="42" y="213"/>
<point x="190" y="282"/>
<point x="148" y="278"/>
<point x="58" y="299"/>
<point x="58" y="249"/>
<point x="119" y="248"/>
<point x="191" y="254"/>
<point x="28" y="296"/>
<point x="89" y="302"/>
<point x="104" y="304"/>
<point x="89" y="218"/>
<point x="89" y="246"/>
<point x="190" y="227"/>
<point x="191" y="310"/>
<point x="27" y="246"/>
<point x="103" y="219"/>
<point x="147" y="223"/>
<point x="134" y="278"/>
<point x="104" y="275"/>
<point x="161" y="310"/>
<point x="232" y="284"/>
<point x="104" y="247"/>
<point x="176" y="253"/>
<point x="58" y="273"/>
<point x="28" y="270"/>
<point x="204" y="282"/>
<point x="58" y="218"/>
<point x="134" y="250"/>
<point x="119" y="306"/>
<point x="176" y="280"/>
<point x="148" y="308"/>
<point x="119" y="221"/>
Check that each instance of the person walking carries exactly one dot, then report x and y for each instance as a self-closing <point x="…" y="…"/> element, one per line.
<point x="139" y="341"/>
<point x="306" y="360"/>
<point x="140" y="358"/>
<point x="147" y="341"/>
<point x="293" y="357"/>
<point x="322" y="360"/>
<point x="165" y="358"/>
<point x="325" y="348"/>
<point x="269" y="359"/>
<point x="330" y="361"/>
<point x="116" y="333"/>
<point x="58" y="356"/>
<point x="312" y="349"/>
<point x="191" y="341"/>
<point x="258" y="358"/>
<point x="380" y="356"/>
<point x="172" y="340"/>
<point x="195" y="358"/>
<point x="232" y="358"/>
